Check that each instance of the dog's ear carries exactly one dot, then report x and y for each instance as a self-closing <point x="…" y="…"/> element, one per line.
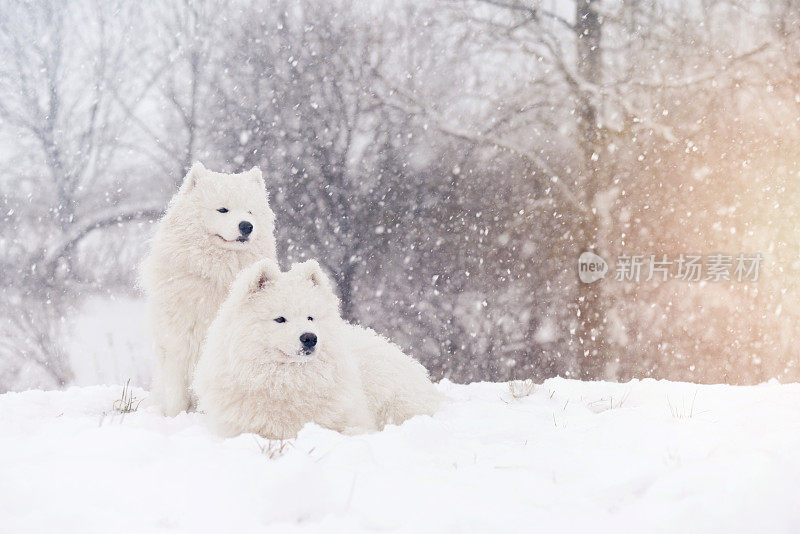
<point x="194" y="174"/>
<point x="255" y="174"/>
<point x="264" y="273"/>
<point x="312" y="270"/>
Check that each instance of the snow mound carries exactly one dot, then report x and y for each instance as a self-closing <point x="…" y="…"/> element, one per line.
<point x="644" y="456"/>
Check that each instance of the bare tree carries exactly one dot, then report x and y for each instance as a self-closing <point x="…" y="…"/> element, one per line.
<point x="297" y="97"/>
<point x="57" y="98"/>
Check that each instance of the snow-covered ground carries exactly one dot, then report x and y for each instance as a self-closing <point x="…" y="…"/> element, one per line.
<point x="570" y="457"/>
<point x="107" y="342"/>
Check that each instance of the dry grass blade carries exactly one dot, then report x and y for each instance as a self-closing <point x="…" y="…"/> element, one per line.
<point x="521" y="388"/>
<point x="273" y="448"/>
<point x="125" y="404"/>
<point x="682" y="410"/>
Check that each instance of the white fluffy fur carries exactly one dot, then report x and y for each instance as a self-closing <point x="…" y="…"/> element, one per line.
<point x="193" y="261"/>
<point x="397" y="386"/>
<point x="253" y="375"/>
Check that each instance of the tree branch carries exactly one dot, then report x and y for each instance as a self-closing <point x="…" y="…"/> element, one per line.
<point x="112" y="217"/>
<point x="483" y="138"/>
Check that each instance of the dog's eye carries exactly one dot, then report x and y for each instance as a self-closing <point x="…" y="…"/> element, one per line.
<point x="223" y="210"/>
<point x="280" y="320"/>
<point x="310" y="318"/>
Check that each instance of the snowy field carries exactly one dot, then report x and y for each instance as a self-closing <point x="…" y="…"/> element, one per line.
<point x="108" y="343"/>
<point x="569" y="457"/>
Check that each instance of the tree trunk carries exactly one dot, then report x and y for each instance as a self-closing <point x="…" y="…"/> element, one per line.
<point x="592" y="346"/>
<point x="346" y="281"/>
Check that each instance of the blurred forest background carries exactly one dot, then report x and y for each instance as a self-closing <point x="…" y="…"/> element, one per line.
<point x="446" y="160"/>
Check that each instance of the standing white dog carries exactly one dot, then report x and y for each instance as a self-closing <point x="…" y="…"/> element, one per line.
<point x="278" y="355"/>
<point x="216" y="225"/>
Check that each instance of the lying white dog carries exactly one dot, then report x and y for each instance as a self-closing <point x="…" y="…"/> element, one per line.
<point x="214" y="226"/>
<point x="278" y="355"/>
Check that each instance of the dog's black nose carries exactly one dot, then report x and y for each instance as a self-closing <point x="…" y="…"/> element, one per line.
<point x="245" y="227"/>
<point x="308" y="340"/>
